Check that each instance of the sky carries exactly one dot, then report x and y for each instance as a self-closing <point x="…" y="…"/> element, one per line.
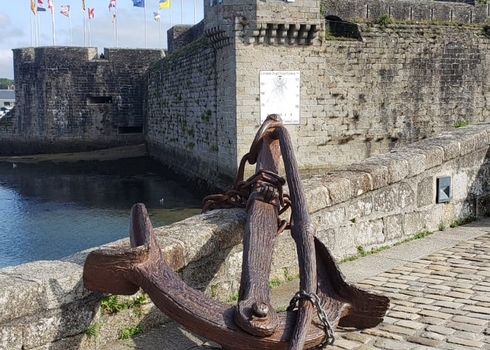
<point x="21" y="28"/>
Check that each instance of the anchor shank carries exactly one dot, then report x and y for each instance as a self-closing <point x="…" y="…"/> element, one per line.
<point x="255" y="313"/>
<point x="303" y="233"/>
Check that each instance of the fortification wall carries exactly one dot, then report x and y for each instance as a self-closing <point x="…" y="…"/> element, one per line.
<point x="459" y="11"/>
<point x="183" y="128"/>
<point x="376" y="202"/>
<point x="72" y="99"/>
<point x="402" y="84"/>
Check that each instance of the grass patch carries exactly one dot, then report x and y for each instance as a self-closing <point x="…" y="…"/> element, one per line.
<point x="463" y="221"/>
<point x="130" y="332"/>
<point x="93" y="330"/>
<point x="384" y="20"/>
<point x="461" y="123"/>
<point x="110" y="304"/>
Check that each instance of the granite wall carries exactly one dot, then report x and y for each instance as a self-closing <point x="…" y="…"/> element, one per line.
<point x="372" y="203"/>
<point x="73" y="99"/>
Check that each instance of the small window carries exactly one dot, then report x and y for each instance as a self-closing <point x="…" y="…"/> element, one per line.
<point x="130" y="129"/>
<point x="99" y="99"/>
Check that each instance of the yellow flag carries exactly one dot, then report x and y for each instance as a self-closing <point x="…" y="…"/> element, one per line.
<point x="33" y="6"/>
<point x="83" y="5"/>
<point x="164" y="4"/>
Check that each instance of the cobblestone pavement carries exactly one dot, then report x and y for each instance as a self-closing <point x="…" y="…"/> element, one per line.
<point x="441" y="301"/>
<point x="439" y="288"/>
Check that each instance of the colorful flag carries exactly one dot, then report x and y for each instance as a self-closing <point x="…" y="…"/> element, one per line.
<point x="164" y="4"/>
<point x="83" y="5"/>
<point x="90" y="13"/>
<point x="112" y="3"/>
<point x="139" y="3"/>
<point x="33" y="6"/>
<point x="50" y="6"/>
<point x="156" y="16"/>
<point x="40" y="5"/>
<point x="65" y="10"/>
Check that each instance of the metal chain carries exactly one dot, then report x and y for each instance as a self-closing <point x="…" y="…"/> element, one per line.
<point x="322" y="315"/>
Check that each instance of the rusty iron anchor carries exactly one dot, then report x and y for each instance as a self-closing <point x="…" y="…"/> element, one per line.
<point x="252" y="323"/>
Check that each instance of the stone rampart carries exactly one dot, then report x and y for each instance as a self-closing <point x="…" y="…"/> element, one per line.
<point x="73" y="99"/>
<point x="402" y="82"/>
<point x="375" y="202"/>
<point x="458" y="11"/>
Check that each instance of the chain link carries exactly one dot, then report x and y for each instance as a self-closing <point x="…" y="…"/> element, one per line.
<point x="322" y="315"/>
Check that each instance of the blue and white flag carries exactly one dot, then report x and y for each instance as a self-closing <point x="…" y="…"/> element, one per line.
<point x="139" y="3"/>
<point x="40" y="5"/>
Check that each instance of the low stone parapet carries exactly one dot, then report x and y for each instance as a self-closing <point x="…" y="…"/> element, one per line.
<point x="380" y="201"/>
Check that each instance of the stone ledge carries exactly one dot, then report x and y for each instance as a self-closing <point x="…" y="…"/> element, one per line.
<point x="379" y="201"/>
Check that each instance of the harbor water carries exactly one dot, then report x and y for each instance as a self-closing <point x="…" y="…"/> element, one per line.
<point x="51" y="210"/>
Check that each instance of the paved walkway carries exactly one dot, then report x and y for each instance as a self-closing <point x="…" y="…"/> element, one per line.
<point x="439" y="288"/>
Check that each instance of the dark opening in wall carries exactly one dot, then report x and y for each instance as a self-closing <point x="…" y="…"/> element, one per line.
<point x="341" y="28"/>
<point x="130" y="129"/>
<point x="99" y="99"/>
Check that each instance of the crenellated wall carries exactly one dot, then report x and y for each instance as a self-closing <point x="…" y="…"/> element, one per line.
<point x="437" y="11"/>
<point x="376" y="202"/>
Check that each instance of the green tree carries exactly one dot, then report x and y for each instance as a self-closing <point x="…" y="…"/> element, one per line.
<point x="5" y="83"/>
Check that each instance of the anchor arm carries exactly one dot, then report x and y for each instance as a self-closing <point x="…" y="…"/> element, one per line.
<point x="118" y="271"/>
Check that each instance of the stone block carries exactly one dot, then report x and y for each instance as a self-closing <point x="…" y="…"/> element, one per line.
<point x="406" y="195"/>
<point x="333" y="216"/>
<point x="379" y="174"/>
<point x="359" y="208"/>
<point x="202" y="235"/>
<point x="434" y="155"/>
<point x="59" y="283"/>
<point x="57" y="324"/>
<point x="360" y="182"/>
<point x="385" y="200"/>
<point x="460" y="183"/>
<point x="425" y="191"/>
<point x="450" y="145"/>
<point x="339" y="188"/>
<point x="317" y="196"/>
<point x="369" y="233"/>
<point x="345" y="242"/>
<point x="393" y="227"/>
<point x="11" y="337"/>
<point x="19" y="297"/>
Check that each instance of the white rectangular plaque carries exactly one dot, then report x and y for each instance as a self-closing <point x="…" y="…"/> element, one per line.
<point x="280" y="94"/>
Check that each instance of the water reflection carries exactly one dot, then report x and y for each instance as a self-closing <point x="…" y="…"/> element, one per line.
<point x="48" y="210"/>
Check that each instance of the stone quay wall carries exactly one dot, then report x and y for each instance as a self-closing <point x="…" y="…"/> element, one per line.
<point x="372" y="203"/>
<point x="73" y="99"/>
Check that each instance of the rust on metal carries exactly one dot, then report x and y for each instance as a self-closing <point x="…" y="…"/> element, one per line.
<point x="325" y="300"/>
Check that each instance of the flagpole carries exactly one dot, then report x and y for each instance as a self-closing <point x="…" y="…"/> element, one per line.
<point x="71" y="31"/>
<point x="52" y="22"/>
<point x="181" y="11"/>
<point x="115" y="22"/>
<point x="84" y="28"/>
<point x="89" y="38"/>
<point x="38" y="31"/>
<point x="144" y="11"/>
<point x="32" y="27"/>
<point x="194" y="11"/>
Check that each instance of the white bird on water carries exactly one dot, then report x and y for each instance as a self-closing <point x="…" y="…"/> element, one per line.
<point x="14" y="165"/>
